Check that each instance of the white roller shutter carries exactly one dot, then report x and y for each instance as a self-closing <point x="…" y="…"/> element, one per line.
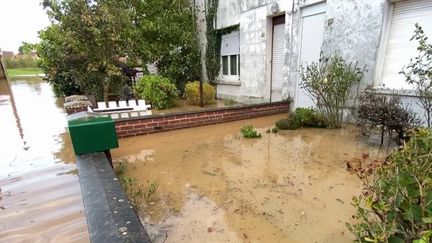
<point x="400" y="49"/>
<point x="277" y="62"/>
<point x="230" y="44"/>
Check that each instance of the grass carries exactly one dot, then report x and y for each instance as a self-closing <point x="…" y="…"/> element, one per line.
<point x="23" y="71"/>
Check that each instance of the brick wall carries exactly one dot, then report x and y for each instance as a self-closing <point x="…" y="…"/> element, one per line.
<point x="158" y="123"/>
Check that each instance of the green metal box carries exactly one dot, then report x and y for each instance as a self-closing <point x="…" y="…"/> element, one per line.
<point x="92" y="134"/>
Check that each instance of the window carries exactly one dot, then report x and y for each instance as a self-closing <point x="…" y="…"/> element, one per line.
<point x="230" y="57"/>
<point x="230" y="65"/>
<point x="399" y="48"/>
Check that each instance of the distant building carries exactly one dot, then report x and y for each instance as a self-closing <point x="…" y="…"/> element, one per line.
<point x="7" y="53"/>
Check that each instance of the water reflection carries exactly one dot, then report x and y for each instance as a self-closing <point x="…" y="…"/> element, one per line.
<point x="40" y="197"/>
<point x="34" y="136"/>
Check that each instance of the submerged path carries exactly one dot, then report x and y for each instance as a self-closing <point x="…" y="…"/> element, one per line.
<point x="40" y="196"/>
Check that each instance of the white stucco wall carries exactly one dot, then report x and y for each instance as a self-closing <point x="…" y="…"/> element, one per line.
<point x="353" y="30"/>
<point x="254" y="19"/>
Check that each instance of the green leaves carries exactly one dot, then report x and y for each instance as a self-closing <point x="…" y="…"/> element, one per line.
<point x="329" y="82"/>
<point x="249" y="131"/>
<point x="396" y="201"/>
<point x="157" y="90"/>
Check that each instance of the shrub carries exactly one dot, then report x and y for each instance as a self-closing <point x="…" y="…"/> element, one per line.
<point x="329" y="82"/>
<point x="387" y="114"/>
<point x="287" y="124"/>
<point x="302" y="117"/>
<point x="192" y="93"/>
<point x="229" y="102"/>
<point x="419" y="72"/>
<point x="157" y="90"/>
<point x="249" y="131"/>
<point x="309" y="117"/>
<point x="396" y="201"/>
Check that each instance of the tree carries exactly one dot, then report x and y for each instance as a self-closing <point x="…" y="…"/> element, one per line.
<point x="26" y="48"/>
<point x="419" y="72"/>
<point x="80" y="51"/>
<point x="329" y="83"/>
<point x="165" y="33"/>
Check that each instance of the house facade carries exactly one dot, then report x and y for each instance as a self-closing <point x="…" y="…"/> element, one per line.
<point x="261" y="58"/>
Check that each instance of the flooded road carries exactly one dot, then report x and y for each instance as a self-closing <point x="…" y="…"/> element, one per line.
<point x="40" y="197"/>
<point x="217" y="187"/>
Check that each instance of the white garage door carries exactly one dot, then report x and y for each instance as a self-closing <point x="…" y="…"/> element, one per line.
<point x="400" y="49"/>
<point x="312" y="35"/>
<point x="277" y="61"/>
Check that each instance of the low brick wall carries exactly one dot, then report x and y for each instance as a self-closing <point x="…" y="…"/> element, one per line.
<point x="158" y="123"/>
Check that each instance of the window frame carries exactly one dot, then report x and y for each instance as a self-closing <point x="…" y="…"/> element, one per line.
<point x="382" y="50"/>
<point x="230" y="77"/>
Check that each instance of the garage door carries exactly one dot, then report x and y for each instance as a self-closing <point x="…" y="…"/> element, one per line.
<point x="400" y="49"/>
<point x="312" y="34"/>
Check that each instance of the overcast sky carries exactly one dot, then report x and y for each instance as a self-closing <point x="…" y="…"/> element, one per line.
<point x="20" y="20"/>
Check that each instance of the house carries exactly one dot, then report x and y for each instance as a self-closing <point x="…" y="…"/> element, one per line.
<point x="261" y="57"/>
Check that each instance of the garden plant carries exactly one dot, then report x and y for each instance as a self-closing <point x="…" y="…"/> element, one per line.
<point x="302" y="117"/>
<point x="192" y="93"/>
<point x="396" y="201"/>
<point x="157" y="90"/>
<point x="386" y="113"/>
<point x="329" y="82"/>
<point x="419" y="73"/>
<point x="249" y="131"/>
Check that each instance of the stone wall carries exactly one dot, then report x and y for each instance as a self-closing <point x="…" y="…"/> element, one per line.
<point x="173" y="121"/>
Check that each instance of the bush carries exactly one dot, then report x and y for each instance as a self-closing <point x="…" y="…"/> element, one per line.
<point x="249" y="131"/>
<point x="387" y="114"/>
<point x="419" y="72"/>
<point x="396" y="201"/>
<point x="302" y="117"/>
<point x="329" y="82"/>
<point x="157" y="90"/>
<point x="287" y="124"/>
<point x="192" y="93"/>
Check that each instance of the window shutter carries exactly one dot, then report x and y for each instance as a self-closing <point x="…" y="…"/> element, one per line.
<point x="230" y="44"/>
<point x="400" y="49"/>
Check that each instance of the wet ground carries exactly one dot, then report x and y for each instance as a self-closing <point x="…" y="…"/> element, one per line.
<point x="217" y="187"/>
<point x="40" y="197"/>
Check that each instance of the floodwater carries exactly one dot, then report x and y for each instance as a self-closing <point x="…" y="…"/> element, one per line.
<point x="215" y="186"/>
<point x="40" y="195"/>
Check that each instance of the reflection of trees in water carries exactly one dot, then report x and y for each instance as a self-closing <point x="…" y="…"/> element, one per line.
<point x="34" y="83"/>
<point x="15" y="112"/>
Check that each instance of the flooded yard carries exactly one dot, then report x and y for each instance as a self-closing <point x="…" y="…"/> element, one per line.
<point x="217" y="187"/>
<point x="40" y="196"/>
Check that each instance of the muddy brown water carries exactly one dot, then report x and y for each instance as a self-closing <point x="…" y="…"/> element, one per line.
<point x="40" y="197"/>
<point x="215" y="186"/>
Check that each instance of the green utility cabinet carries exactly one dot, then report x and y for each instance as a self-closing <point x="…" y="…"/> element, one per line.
<point x="92" y="134"/>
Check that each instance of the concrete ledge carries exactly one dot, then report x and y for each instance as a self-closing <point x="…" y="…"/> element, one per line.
<point x="110" y="216"/>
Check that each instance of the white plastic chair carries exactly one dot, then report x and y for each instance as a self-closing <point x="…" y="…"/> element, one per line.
<point x="132" y="104"/>
<point x="101" y="105"/>
<point x="112" y="104"/>
<point x="122" y="104"/>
